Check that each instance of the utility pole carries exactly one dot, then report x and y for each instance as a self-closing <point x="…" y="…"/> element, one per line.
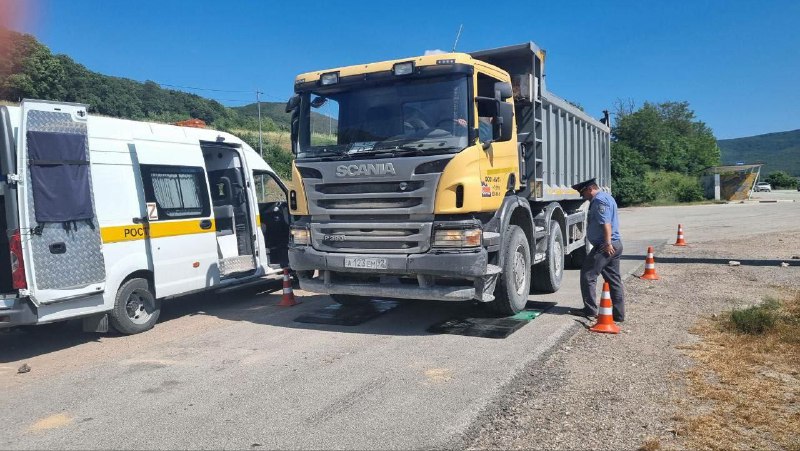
<point x="258" y="102"/>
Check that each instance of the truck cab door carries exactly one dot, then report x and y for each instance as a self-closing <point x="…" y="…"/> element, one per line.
<point x="58" y="228"/>
<point x="179" y="219"/>
<point x="271" y="195"/>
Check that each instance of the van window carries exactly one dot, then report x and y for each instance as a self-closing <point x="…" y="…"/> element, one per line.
<point x="267" y="189"/>
<point x="178" y="191"/>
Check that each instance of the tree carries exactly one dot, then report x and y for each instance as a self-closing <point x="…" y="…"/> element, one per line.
<point x="781" y="179"/>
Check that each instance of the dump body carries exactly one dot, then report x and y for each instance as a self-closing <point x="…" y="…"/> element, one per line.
<point x="562" y="145"/>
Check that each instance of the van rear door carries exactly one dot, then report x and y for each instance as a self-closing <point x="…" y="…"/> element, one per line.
<point x="59" y="232"/>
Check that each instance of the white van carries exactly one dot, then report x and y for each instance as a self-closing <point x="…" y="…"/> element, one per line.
<point x="106" y="217"/>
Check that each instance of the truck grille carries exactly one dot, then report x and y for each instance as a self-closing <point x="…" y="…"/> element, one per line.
<point x="372" y="214"/>
<point x="371" y="237"/>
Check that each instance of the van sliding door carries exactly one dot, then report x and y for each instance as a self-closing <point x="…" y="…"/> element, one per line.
<point x="181" y="234"/>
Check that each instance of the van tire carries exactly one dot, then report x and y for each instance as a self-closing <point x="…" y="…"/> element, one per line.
<point x="511" y="292"/>
<point x="349" y="299"/>
<point x="136" y="309"/>
<point x="547" y="275"/>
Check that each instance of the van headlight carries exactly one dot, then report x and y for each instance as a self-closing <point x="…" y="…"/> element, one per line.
<point x="457" y="238"/>
<point x="301" y="236"/>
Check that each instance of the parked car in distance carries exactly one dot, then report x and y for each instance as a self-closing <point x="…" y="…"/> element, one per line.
<point x="763" y="186"/>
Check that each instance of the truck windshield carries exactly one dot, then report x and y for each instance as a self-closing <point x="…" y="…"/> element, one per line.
<point x="412" y="116"/>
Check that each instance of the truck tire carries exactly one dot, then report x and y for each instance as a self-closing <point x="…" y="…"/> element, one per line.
<point x="349" y="299"/>
<point x="547" y="274"/>
<point x="513" y="286"/>
<point x="136" y="309"/>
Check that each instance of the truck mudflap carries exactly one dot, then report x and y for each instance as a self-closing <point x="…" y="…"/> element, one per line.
<point x="432" y="276"/>
<point x="16" y="311"/>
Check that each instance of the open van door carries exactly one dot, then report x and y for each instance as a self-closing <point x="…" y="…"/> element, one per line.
<point x="59" y="232"/>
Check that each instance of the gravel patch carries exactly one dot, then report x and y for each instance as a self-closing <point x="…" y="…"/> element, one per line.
<point x="621" y="391"/>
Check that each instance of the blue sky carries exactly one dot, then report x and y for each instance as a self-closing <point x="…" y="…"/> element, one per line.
<point x="736" y="62"/>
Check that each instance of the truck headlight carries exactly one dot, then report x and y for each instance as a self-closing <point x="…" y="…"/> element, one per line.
<point x="301" y="237"/>
<point x="457" y="238"/>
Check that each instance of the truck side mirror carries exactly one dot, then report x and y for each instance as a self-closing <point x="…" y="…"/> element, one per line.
<point x="293" y="103"/>
<point x="295" y="123"/>
<point x="504" y="121"/>
<point x="503" y="90"/>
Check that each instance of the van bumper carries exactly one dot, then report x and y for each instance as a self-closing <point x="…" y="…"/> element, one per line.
<point x="443" y="276"/>
<point x="16" y="312"/>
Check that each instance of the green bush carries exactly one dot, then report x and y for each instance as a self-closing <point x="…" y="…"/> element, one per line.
<point x="757" y="319"/>
<point x="689" y="192"/>
<point x="780" y="179"/>
<point x="670" y="187"/>
<point x="631" y="190"/>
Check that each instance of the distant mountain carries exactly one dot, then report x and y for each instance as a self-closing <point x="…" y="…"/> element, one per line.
<point x="276" y="111"/>
<point x="778" y="151"/>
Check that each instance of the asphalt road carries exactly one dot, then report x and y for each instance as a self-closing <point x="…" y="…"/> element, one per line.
<point x="235" y="371"/>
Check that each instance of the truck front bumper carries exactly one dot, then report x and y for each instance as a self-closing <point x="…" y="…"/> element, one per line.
<point x="444" y="276"/>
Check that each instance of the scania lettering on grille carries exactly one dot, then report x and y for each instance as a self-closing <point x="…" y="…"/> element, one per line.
<point x="364" y="169"/>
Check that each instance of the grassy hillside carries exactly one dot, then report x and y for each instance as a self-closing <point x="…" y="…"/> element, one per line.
<point x="276" y="112"/>
<point x="778" y="151"/>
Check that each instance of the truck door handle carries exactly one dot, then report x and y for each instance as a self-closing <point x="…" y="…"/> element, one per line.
<point x="205" y="224"/>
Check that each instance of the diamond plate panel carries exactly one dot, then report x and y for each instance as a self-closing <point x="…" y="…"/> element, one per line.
<point x="82" y="264"/>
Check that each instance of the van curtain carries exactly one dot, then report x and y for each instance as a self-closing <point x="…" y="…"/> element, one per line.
<point x="59" y="176"/>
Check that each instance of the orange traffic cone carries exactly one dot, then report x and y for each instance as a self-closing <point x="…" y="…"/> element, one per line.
<point x="288" y="295"/>
<point x="605" y="317"/>
<point x="649" y="266"/>
<point x="680" y="241"/>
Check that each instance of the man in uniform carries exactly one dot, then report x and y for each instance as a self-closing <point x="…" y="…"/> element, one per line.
<point x="602" y="231"/>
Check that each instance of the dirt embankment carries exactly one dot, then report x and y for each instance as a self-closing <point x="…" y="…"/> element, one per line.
<point x="641" y="388"/>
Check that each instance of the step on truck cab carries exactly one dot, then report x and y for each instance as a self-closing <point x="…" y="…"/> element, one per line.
<point x="442" y="177"/>
<point x="106" y="217"/>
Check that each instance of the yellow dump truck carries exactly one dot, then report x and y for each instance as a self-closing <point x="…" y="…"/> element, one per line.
<point x="441" y="177"/>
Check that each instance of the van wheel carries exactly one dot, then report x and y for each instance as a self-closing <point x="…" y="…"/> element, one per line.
<point x="349" y="299"/>
<point x="511" y="293"/>
<point x="547" y="274"/>
<point x="135" y="309"/>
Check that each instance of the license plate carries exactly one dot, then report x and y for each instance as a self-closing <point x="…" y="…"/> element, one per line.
<point x="365" y="263"/>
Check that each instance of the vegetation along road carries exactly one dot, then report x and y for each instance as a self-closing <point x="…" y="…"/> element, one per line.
<point x="243" y="373"/>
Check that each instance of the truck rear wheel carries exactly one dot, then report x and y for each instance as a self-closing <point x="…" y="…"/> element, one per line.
<point x="136" y="309"/>
<point x="547" y="274"/>
<point x="511" y="293"/>
<point x="349" y="299"/>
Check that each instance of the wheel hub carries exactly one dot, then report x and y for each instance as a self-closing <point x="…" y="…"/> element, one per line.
<point x="520" y="271"/>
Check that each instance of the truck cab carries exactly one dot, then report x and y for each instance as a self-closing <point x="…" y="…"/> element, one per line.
<point x="429" y="181"/>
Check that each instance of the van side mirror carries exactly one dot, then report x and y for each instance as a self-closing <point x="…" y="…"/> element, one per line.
<point x="293" y="103"/>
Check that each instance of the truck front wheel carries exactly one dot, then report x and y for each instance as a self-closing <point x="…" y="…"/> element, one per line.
<point x="511" y="293"/>
<point x="547" y="274"/>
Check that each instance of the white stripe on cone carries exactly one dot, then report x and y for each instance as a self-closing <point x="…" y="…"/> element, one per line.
<point x="606" y="311"/>
<point x="649" y="266"/>
<point x="287" y="290"/>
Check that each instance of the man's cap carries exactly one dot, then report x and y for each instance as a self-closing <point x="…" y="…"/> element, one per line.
<point x="584" y="184"/>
